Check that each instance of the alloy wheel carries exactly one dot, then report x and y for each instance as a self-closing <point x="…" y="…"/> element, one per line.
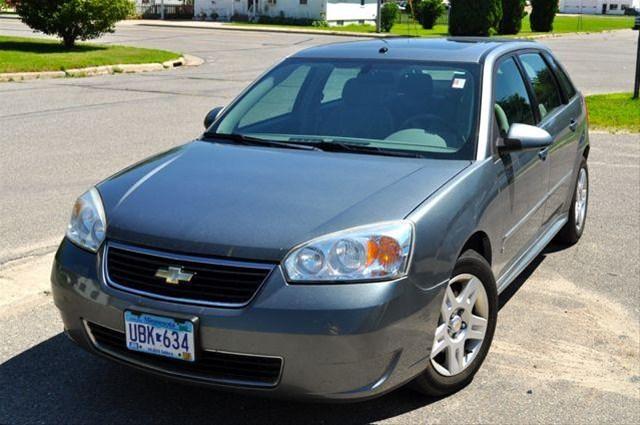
<point x="462" y="325"/>
<point x="581" y="199"/>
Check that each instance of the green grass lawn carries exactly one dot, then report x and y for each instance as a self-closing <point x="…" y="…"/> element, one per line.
<point x="19" y="54"/>
<point x="562" y="24"/>
<point x="614" y="112"/>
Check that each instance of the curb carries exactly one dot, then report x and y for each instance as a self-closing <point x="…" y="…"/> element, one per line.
<point x="186" y="60"/>
<point x="542" y="36"/>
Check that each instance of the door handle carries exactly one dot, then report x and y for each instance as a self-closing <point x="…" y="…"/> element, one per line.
<point x="542" y="154"/>
<point x="573" y="125"/>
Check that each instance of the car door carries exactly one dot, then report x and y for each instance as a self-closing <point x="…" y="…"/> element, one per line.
<point x="562" y="156"/>
<point x="525" y="173"/>
<point x="561" y="118"/>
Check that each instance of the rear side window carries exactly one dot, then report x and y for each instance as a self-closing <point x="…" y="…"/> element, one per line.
<point x="511" y="97"/>
<point x="563" y="78"/>
<point x="543" y="82"/>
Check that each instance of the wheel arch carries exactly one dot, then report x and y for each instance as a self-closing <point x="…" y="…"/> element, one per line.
<point x="479" y="242"/>
<point x="585" y="153"/>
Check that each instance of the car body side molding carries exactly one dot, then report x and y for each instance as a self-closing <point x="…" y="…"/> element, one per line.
<point x="528" y="256"/>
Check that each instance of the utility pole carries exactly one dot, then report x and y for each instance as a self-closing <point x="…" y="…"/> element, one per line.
<point x="162" y="9"/>
<point x="378" y="20"/>
<point x="636" y="87"/>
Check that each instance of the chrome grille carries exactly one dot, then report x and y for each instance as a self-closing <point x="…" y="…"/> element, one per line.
<point x="212" y="281"/>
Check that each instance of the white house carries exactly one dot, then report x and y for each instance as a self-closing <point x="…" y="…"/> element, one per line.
<point x="335" y="12"/>
<point x="597" y="7"/>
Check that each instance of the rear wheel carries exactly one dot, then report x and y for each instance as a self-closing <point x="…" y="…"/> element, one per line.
<point x="465" y="328"/>
<point x="573" y="229"/>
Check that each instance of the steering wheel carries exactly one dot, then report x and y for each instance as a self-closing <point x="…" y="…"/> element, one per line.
<point x="433" y="124"/>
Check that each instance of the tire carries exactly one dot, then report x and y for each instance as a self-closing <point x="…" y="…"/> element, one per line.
<point x="437" y="380"/>
<point x="573" y="229"/>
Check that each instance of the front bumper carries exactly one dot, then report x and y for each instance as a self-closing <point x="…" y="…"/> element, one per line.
<point x="351" y="341"/>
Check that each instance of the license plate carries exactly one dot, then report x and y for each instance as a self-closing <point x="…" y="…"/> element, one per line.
<point x="162" y="336"/>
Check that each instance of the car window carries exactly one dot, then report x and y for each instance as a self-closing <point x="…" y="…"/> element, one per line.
<point x="512" y="104"/>
<point x="543" y="82"/>
<point x="278" y="100"/>
<point x="430" y="108"/>
<point x="563" y="78"/>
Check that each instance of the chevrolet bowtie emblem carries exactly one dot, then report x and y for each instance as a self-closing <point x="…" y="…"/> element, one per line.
<point x="174" y="275"/>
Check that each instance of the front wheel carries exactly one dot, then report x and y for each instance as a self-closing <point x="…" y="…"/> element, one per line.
<point x="465" y="328"/>
<point x="573" y="229"/>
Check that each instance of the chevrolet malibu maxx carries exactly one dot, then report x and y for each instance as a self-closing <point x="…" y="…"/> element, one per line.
<point x="342" y="228"/>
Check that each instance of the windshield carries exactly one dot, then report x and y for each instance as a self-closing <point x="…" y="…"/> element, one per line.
<point x="427" y="108"/>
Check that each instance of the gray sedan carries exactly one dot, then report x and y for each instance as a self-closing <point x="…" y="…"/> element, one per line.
<point x="342" y="228"/>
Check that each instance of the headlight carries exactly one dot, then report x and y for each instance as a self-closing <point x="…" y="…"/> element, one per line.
<point x="375" y="252"/>
<point x="88" y="224"/>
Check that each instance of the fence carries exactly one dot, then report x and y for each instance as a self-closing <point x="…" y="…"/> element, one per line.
<point x="171" y="11"/>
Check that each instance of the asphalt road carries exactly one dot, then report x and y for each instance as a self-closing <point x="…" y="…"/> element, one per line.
<point x="568" y="339"/>
<point x="61" y="136"/>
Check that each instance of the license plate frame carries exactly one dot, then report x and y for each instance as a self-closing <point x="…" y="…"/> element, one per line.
<point x="162" y="336"/>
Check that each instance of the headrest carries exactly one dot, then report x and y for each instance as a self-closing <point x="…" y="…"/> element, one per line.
<point x="363" y="90"/>
<point x="416" y="84"/>
<point x="501" y="117"/>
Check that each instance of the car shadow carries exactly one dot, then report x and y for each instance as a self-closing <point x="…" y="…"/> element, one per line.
<point x="57" y="382"/>
<point x="522" y="278"/>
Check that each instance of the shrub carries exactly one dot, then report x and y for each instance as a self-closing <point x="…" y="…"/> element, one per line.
<point x="74" y="19"/>
<point x="542" y="15"/>
<point x="475" y="17"/>
<point x="320" y="23"/>
<point x="512" y="15"/>
<point x="630" y="11"/>
<point x="239" y="17"/>
<point x="7" y="4"/>
<point x="388" y="16"/>
<point x="427" y="12"/>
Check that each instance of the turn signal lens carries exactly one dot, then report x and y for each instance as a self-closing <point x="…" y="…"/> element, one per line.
<point x="388" y="250"/>
<point x="375" y="252"/>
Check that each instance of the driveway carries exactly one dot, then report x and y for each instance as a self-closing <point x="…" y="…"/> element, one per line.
<point x="568" y="338"/>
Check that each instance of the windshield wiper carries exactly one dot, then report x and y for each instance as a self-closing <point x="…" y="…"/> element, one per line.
<point x="256" y="141"/>
<point x="332" y="145"/>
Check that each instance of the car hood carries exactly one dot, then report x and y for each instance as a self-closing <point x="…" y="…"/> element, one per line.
<point x="257" y="203"/>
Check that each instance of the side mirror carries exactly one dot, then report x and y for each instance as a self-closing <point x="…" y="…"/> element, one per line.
<point x="211" y="116"/>
<point x="524" y="137"/>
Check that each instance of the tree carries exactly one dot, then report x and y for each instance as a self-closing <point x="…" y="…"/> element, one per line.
<point x="74" y="19"/>
<point x="542" y="15"/>
<point x="512" y="15"/>
<point x="388" y="16"/>
<point x="475" y="17"/>
<point x="427" y="12"/>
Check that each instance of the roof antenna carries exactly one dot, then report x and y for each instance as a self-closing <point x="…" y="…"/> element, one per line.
<point x="383" y="50"/>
